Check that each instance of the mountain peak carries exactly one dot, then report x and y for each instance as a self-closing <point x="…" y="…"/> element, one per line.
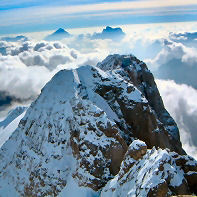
<point x="110" y="33"/>
<point x="60" y="30"/>
<point x="58" y="35"/>
<point x="111" y="29"/>
<point x="89" y="129"/>
<point x="61" y="88"/>
<point x="108" y="28"/>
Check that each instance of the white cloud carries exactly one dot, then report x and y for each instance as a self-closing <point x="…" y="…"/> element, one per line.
<point x="171" y="50"/>
<point x="180" y="101"/>
<point x="25" y="67"/>
<point x="20" y="81"/>
<point x="176" y="62"/>
<point x="190" y="56"/>
<point x="23" y="62"/>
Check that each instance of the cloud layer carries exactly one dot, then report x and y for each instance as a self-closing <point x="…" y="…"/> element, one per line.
<point x="180" y="101"/>
<point x="25" y="67"/>
<point x="176" y="62"/>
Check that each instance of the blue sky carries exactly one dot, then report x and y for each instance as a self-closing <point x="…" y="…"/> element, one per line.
<point x="18" y="16"/>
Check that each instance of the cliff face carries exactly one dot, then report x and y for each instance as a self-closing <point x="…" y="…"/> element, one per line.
<point x="82" y="130"/>
<point x="142" y="122"/>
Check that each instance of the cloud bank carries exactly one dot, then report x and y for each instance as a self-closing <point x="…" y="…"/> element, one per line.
<point x="180" y="101"/>
<point x="176" y="62"/>
<point x="25" y="67"/>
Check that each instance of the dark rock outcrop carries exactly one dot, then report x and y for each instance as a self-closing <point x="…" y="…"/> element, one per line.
<point x="143" y="119"/>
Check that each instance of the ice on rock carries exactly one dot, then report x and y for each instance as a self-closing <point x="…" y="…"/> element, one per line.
<point x="137" y="144"/>
<point x="155" y="174"/>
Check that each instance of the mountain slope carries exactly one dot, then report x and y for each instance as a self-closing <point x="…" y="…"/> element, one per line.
<point x="10" y="123"/>
<point x="13" y="114"/>
<point x="75" y="136"/>
<point x="53" y="138"/>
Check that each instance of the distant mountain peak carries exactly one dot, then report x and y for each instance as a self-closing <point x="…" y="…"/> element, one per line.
<point x="58" y="35"/>
<point x="60" y="30"/>
<point x="15" y="39"/>
<point x="108" y="28"/>
<point x="111" y="29"/>
<point x="110" y="33"/>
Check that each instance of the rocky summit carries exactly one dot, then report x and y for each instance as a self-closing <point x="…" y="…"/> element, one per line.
<point x="98" y="131"/>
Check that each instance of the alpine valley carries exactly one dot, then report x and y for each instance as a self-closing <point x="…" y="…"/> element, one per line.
<point x="96" y="131"/>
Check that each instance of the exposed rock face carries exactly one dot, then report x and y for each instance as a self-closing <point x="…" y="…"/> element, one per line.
<point x="96" y="144"/>
<point x="135" y="151"/>
<point x="142" y="119"/>
<point x="81" y="131"/>
<point x="154" y="174"/>
<point x="189" y="166"/>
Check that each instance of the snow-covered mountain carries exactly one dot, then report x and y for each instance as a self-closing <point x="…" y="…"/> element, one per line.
<point x="13" y="114"/>
<point x="10" y="123"/>
<point x="97" y="131"/>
